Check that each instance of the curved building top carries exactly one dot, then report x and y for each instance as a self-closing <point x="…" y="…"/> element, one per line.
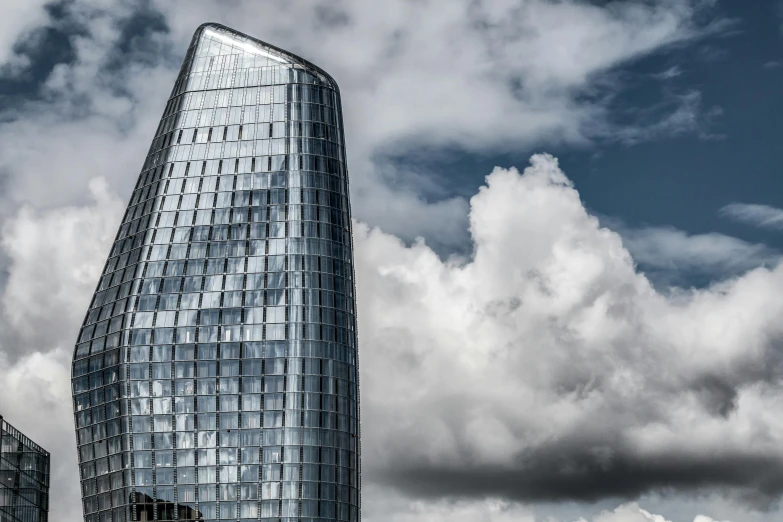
<point x="210" y="32"/>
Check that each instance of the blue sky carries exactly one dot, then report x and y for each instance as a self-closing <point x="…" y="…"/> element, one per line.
<point x="724" y="151"/>
<point x="684" y="181"/>
<point x="589" y="330"/>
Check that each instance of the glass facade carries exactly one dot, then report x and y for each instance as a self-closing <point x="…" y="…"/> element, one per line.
<point x="216" y="375"/>
<point x="24" y="477"/>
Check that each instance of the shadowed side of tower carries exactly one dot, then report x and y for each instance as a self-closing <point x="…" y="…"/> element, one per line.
<point x="216" y="373"/>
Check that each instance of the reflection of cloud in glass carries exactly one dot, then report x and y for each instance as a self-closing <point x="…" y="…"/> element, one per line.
<point x="167" y="509"/>
<point x="229" y="288"/>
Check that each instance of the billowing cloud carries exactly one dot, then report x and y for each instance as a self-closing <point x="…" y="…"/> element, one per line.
<point x="545" y="367"/>
<point x="55" y="258"/>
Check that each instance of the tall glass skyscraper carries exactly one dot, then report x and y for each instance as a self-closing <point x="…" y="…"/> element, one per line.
<point x="24" y="477"/>
<point x="215" y="376"/>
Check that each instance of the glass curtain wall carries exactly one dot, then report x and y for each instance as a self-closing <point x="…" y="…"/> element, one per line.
<point x="216" y="373"/>
<point x="24" y="477"/>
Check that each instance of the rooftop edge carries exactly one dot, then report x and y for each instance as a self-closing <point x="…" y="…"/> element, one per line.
<point x="289" y="55"/>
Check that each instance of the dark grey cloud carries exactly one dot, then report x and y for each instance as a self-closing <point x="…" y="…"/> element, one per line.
<point x="597" y="459"/>
<point x="570" y="472"/>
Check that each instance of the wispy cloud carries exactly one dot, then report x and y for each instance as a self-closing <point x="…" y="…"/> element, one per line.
<point x="672" y="72"/>
<point x="762" y="216"/>
<point x="672" y="250"/>
<point x="678" y="114"/>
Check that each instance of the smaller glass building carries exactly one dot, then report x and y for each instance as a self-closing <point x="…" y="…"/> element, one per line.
<point x="24" y="477"/>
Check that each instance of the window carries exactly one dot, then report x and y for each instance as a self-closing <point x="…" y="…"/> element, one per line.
<point x="256" y="287"/>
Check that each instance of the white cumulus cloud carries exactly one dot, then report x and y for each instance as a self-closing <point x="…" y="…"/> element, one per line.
<point x="55" y="259"/>
<point x="546" y="367"/>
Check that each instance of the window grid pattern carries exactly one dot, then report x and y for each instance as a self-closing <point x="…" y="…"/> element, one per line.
<point x="216" y="375"/>
<point x="24" y="477"/>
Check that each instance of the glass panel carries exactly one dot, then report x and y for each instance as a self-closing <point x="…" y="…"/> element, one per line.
<point x="225" y="312"/>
